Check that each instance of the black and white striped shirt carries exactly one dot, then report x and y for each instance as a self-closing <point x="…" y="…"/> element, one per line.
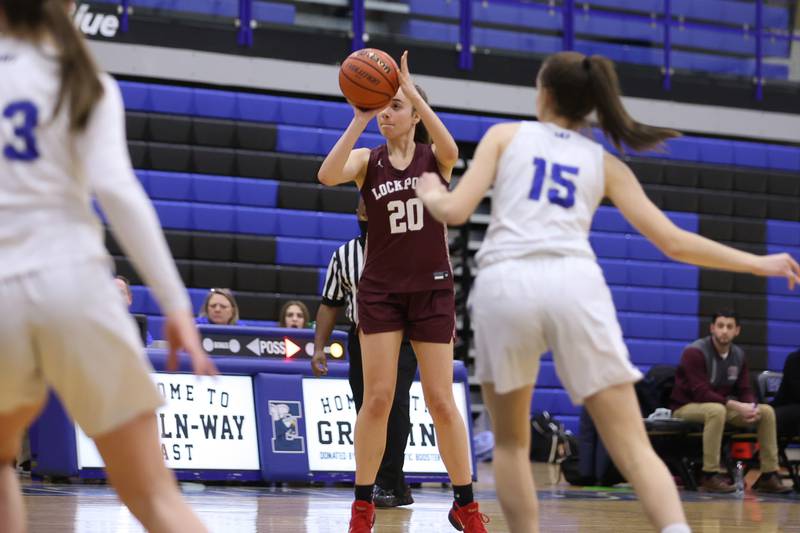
<point x="341" y="280"/>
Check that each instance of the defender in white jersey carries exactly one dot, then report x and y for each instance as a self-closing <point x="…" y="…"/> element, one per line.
<point x="540" y="287"/>
<point x="62" y="138"/>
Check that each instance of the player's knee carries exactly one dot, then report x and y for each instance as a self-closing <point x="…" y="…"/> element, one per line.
<point x="766" y="411"/>
<point x="441" y="406"/>
<point x="378" y="403"/>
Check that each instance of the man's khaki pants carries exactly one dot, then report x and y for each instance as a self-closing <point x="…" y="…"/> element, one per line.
<point x="713" y="416"/>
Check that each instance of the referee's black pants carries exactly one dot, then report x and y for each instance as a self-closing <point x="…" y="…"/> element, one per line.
<point x="390" y="475"/>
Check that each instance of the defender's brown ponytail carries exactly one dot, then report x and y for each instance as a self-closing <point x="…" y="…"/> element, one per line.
<point x="581" y="84"/>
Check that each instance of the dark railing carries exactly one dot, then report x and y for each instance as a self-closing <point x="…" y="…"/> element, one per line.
<point x="568" y="10"/>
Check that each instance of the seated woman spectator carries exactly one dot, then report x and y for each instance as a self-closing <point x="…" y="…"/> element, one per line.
<point x="294" y="314"/>
<point x="219" y="308"/>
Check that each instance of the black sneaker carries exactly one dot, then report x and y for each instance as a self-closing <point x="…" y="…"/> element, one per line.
<point x="388" y="498"/>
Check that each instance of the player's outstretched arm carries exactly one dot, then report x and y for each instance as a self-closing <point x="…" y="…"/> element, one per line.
<point x="106" y="164"/>
<point x="624" y="190"/>
<point x="344" y="164"/>
<point x="454" y="208"/>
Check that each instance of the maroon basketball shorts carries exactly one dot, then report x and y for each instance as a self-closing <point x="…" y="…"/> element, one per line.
<point x="425" y="316"/>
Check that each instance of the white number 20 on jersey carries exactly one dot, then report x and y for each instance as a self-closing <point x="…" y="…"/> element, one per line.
<point x="405" y="216"/>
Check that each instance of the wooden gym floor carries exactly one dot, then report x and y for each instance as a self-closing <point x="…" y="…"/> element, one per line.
<point x="82" y="508"/>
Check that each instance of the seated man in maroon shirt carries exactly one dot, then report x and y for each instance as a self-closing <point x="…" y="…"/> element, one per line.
<point x="712" y="386"/>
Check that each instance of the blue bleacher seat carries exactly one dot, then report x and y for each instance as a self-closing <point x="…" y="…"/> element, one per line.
<point x="434" y="8"/>
<point x="619" y="296"/>
<point x="135" y="95"/>
<point x="263" y="193"/>
<point x="214" y="218"/>
<point x="367" y="140"/>
<point x="783" y="233"/>
<point x="298" y="224"/>
<point x="462" y="127"/>
<point x="609" y="219"/>
<point x="784" y="308"/>
<point x="687" y="221"/>
<point x="290" y="251"/>
<point x="167" y="99"/>
<point x="614" y="271"/>
<point x="651" y="326"/>
<point x="174" y="215"/>
<point x="273" y="12"/>
<point x="717" y="151"/>
<point x="295" y="139"/>
<point x="609" y="245"/>
<point x="140" y="296"/>
<point x="644" y="351"/>
<point x="338" y="227"/>
<point x="325" y="250"/>
<point x="301" y="112"/>
<point x="432" y="31"/>
<point x="783" y="333"/>
<point x="681" y="276"/>
<point x="216" y="104"/>
<point x="776" y="356"/>
<point x="170" y="185"/>
<point x="213" y="189"/>
<point x="646" y="274"/>
<point x="681" y="302"/>
<point x="256" y="221"/>
<point x="547" y="377"/>
<point x="749" y="154"/>
<point x="144" y="178"/>
<point x="257" y="107"/>
<point x="335" y="115"/>
<point x="555" y="401"/>
<point x="641" y="248"/>
<point x="783" y="157"/>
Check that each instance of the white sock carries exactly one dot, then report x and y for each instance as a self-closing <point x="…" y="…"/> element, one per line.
<point x="677" y="528"/>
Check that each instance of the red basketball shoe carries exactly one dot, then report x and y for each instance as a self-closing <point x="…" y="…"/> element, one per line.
<point x="362" y="516"/>
<point x="468" y="519"/>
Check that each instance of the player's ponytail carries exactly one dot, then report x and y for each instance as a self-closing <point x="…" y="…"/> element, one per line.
<point x="614" y="119"/>
<point x="81" y="88"/>
<point x="80" y="84"/>
<point x="581" y="84"/>
<point x="421" y="134"/>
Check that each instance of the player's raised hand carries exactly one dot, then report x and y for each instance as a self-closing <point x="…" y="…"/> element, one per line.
<point x="180" y="332"/>
<point x="406" y="82"/>
<point x="779" y="265"/>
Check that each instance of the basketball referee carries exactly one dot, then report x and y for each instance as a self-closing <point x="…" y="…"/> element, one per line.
<point x="341" y="284"/>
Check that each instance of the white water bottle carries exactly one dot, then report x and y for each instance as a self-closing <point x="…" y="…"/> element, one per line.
<point x="739" y="478"/>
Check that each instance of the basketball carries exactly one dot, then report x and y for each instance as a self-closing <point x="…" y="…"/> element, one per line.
<point x="368" y="78"/>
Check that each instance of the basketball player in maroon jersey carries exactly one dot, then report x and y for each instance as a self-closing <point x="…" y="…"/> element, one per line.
<point x="406" y="286"/>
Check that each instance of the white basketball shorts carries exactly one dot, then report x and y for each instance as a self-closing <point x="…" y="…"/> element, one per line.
<point x="68" y="328"/>
<point x="521" y="308"/>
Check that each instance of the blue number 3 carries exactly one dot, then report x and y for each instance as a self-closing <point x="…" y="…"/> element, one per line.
<point x="557" y="172"/>
<point x="24" y="117"/>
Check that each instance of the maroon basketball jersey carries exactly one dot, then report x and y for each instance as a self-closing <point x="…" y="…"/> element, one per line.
<point x="406" y="247"/>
